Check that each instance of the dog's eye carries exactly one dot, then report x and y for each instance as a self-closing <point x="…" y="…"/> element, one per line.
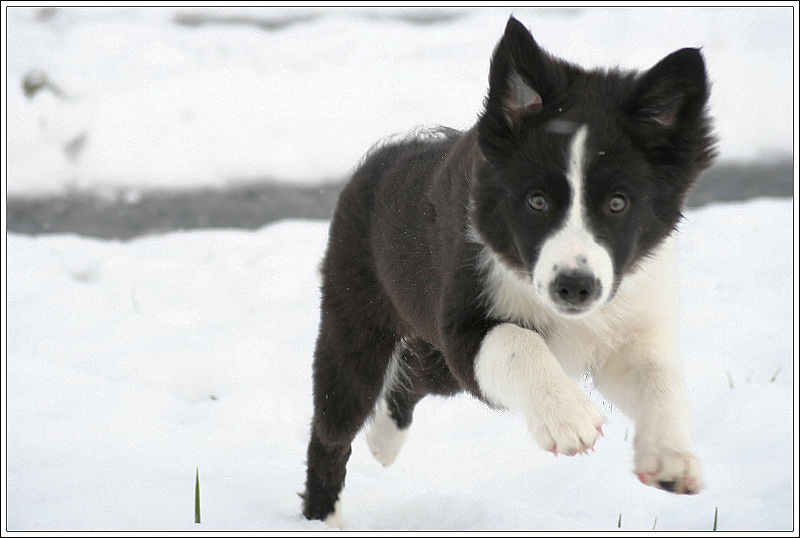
<point x="537" y="202"/>
<point x="617" y="204"/>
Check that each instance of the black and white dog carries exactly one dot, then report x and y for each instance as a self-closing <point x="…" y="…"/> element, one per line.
<point x="511" y="258"/>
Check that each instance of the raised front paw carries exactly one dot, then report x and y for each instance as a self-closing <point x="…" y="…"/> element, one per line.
<point x="565" y="421"/>
<point x="675" y="471"/>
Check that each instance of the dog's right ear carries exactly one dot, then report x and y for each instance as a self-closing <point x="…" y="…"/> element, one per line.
<point x="518" y="86"/>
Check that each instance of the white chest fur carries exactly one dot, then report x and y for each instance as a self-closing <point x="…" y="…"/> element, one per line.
<point x="645" y="302"/>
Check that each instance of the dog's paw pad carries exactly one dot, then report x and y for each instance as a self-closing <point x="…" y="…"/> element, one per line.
<point x="669" y="486"/>
<point x="671" y="470"/>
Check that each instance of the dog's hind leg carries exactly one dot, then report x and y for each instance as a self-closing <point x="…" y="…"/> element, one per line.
<point x="394" y="411"/>
<point x="416" y="369"/>
<point x="347" y="382"/>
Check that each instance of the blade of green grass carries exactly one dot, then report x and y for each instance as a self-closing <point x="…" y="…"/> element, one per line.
<point x="619" y="521"/>
<point x="197" y="496"/>
<point x="772" y="379"/>
<point x="715" y="518"/>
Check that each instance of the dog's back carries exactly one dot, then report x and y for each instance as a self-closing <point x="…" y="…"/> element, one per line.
<point x="385" y="225"/>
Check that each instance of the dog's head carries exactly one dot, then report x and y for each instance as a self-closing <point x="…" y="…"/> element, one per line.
<point x="583" y="173"/>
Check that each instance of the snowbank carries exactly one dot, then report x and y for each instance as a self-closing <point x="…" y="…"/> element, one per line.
<point x="153" y="97"/>
<point x="129" y="365"/>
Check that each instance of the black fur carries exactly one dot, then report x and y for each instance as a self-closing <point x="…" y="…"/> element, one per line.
<point x="401" y="274"/>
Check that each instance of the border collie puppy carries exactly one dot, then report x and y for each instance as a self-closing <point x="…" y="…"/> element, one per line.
<point x="512" y="258"/>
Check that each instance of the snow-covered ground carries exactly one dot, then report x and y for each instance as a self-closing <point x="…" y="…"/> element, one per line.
<point x="130" y="365"/>
<point x="132" y="100"/>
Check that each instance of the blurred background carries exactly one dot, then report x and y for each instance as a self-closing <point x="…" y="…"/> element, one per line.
<point x="126" y="121"/>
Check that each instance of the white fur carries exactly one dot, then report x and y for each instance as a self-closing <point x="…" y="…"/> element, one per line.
<point x="515" y="369"/>
<point x="629" y="346"/>
<point x="384" y="438"/>
<point x="574" y="247"/>
<point x="645" y="298"/>
<point x="335" y="518"/>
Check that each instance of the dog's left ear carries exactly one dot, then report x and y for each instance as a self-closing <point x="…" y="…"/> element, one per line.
<point x="667" y="111"/>
<point x="519" y="85"/>
<point x="674" y="91"/>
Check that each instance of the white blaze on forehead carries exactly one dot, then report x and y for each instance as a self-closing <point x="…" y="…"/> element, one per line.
<point x="575" y="173"/>
<point x="574" y="247"/>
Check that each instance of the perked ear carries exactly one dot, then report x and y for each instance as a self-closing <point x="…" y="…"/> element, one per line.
<point x="517" y="83"/>
<point x="674" y="91"/>
<point x="520" y="101"/>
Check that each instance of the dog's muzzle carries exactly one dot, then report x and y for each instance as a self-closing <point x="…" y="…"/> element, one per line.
<point x="575" y="292"/>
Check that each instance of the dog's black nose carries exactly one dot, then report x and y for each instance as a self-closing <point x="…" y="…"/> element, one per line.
<point x="575" y="289"/>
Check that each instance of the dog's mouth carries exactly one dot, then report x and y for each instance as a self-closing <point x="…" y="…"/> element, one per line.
<point x="575" y="312"/>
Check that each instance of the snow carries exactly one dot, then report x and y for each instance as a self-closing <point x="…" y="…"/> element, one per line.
<point x="132" y="364"/>
<point x="144" y="102"/>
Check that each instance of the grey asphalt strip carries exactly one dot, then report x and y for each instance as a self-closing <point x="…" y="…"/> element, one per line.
<point x="128" y="214"/>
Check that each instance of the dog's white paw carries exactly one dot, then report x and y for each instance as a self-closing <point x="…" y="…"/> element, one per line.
<point x="564" y="421"/>
<point x="334" y="519"/>
<point x="384" y="438"/>
<point x="676" y="471"/>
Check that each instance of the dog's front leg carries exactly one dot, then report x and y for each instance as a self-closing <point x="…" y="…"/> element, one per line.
<point x="645" y="382"/>
<point x="516" y="370"/>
